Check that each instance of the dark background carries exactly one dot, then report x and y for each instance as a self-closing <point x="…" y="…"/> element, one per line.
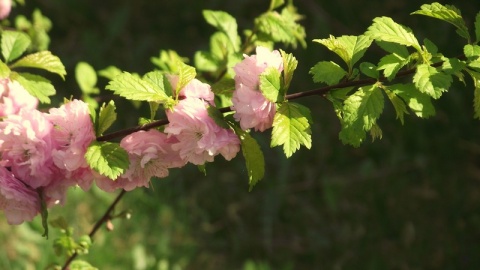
<point x="408" y="201"/>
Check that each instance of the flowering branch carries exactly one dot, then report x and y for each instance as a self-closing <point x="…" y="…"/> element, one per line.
<point x="322" y="91"/>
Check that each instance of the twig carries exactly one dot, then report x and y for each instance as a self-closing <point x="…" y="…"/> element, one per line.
<point x="97" y="226"/>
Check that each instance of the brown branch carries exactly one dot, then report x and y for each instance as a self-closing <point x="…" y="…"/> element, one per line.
<point x="106" y="217"/>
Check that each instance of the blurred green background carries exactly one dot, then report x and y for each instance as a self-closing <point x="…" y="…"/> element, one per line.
<point x="408" y="201"/>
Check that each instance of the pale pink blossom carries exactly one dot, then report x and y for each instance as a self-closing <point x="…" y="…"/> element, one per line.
<point x="248" y="71"/>
<point x="14" y="97"/>
<point x="5" y="8"/>
<point x="19" y="202"/>
<point x="251" y="108"/>
<point x="72" y="133"/>
<point x="194" y="89"/>
<point x="199" y="137"/>
<point x="26" y="145"/>
<point x="150" y="154"/>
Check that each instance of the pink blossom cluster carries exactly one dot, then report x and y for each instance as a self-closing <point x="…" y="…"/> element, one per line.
<point x="193" y="133"/>
<point x="251" y="108"/>
<point x="43" y="152"/>
<point x="150" y="154"/>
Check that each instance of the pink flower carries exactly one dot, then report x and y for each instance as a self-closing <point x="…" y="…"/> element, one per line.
<point x="19" y="202"/>
<point x="25" y="146"/>
<point x="14" y="97"/>
<point x="199" y="137"/>
<point x="251" y="108"/>
<point x="194" y="89"/>
<point x="72" y="133"/>
<point x="150" y="154"/>
<point x="248" y="71"/>
<point x="5" y="7"/>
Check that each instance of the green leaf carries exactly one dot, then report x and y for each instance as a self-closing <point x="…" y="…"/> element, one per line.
<point x="167" y="61"/>
<point x="225" y="86"/>
<point x="109" y="72"/>
<point x="477" y="27"/>
<point x="349" y="48"/>
<point x="37" y="86"/>
<point x="270" y="84"/>
<point x="360" y="112"/>
<point x="446" y="13"/>
<point x="281" y="27"/>
<point x="376" y="132"/>
<point x="186" y="73"/>
<point x="275" y="4"/>
<point x="327" y="72"/>
<point x="398" y="104"/>
<point x="42" y="60"/>
<point x="107" y="158"/>
<point x="289" y="65"/>
<point x="254" y="159"/>
<point x="4" y="70"/>
<point x="205" y="61"/>
<point x="385" y="29"/>
<point x="14" y="44"/>
<point x="160" y="80"/>
<point x="81" y="265"/>
<point x="369" y="69"/>
<point x="86" y="78"/>
<point x="476" y="93"/>
<point x="133" y="88"/>
<point x="429" y="80"/>
<point x="419" y="103"/>
<point x="391" y="64"/>
<point x="225" y="23"/>
<point x="471" y="51"/>
<point x="452" y="65"/>
<point x="291" y="128"/>
<point x="106" y="118"/>
<point x="430" y="46"/>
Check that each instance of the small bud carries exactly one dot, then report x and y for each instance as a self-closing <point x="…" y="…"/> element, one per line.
<point x="109" y="225"/>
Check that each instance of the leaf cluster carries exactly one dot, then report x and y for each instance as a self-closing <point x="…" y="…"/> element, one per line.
<point x="359" y="107"/>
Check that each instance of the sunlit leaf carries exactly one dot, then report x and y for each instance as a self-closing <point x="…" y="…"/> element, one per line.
<point x="327" y="72"/>
<point x="419" y="103"/>
<point x="225" y="23"/>
<point x="446" y="13"/>
<point x="42" y="60"/>
<point x="385" y="29"/>
<point x="86" y="78"/>
<point x="270" y="84"/>
<point x="14" y="44"/>
<point x="106" y="118"/>
<point x="360" y="112"/>
<point x="430" y="81"/>
<point x="349" y="48"/>
<point x="291" y="128"/>
<point x="134" y="88"/>
<point x="37" y="86"/>
<point x="107" y="158"/>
